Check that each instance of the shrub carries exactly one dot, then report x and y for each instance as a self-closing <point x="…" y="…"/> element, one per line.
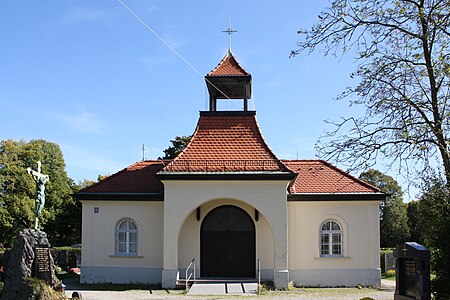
<point x="390" y="273"/>
<point x="42" y="290"/>
<point x="262" y="289"/>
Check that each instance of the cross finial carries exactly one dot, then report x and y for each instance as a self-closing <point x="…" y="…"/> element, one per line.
<point x="230" y="31"/>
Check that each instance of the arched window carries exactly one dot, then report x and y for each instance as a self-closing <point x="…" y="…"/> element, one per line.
<point x="331" y="239"/>
<point x="126" y="237"/>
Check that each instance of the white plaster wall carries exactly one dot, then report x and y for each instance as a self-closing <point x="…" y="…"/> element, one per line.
<point x="360" y="224"/>
<point x="98" y="237"/>
<point x="189" y="238"/>
<point x="182" y="197"/>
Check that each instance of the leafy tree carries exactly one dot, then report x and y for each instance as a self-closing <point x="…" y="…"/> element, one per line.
<point x="415" y="223"/>
<point x="17" y="192"/>
<point x="434" y="215"/>
<point x="178" y="144"/>
<point x="401" y="49"/>
<point x="393" y="219"/>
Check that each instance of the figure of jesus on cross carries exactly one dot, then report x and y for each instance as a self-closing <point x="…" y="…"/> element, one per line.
<point x="40" y="180"/>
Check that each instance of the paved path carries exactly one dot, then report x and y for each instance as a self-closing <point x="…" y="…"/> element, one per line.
<point x="386" y="292"/>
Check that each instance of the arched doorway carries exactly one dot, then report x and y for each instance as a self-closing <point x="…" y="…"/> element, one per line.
<point x="227" y="243"/>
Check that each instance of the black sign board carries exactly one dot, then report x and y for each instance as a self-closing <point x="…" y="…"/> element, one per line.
<point x="412" y="266"/>
<point x="42" y="264"/>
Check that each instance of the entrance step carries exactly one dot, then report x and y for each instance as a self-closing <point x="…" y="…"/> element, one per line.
<point x="217" y="287"/>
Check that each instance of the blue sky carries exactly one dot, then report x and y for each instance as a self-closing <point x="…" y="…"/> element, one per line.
<point x="90" y="77"/>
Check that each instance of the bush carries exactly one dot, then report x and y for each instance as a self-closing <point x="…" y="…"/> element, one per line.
<point x="1" y="288"/>
<point x="262" y="289"/>
<point x="390" y="273"/>
<point x="42" y="290"/>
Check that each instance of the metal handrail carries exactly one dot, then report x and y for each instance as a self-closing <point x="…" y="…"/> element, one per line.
<point x="192" y="273"/>
<point x="259" y="273"/>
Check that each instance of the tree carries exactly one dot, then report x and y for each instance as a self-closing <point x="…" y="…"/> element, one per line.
<point x="403" y="63"/>
<point x="434" y="217"/>
<point x="415" y="222"/>
<point x="393" y="219"/>
<point x="17" y="192"/>
<point x="178" y="144"/>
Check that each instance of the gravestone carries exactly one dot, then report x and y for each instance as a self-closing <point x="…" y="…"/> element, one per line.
<point x="412" y="266"/>
<point x="389" y="261"/>
<point x="42" y="264"/>
<point x="29" y="257"/>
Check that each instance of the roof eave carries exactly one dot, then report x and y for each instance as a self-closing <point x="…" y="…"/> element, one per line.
<point x="225" y="175"/>
<point x="377" y="196"/>
<point x="119" y="196"/>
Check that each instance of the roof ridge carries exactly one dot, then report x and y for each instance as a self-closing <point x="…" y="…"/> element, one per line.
<point x="114" y="175"/>
<point x="107" y="178"/>
<point x="344" y="173"/>
<point x="172" y="162"/>
<point x="267" y="145"/>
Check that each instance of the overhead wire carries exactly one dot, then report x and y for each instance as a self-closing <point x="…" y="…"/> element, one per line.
<point x="173" y="50"/>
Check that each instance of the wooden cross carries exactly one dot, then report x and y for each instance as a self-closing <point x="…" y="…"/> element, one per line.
<point x="230" y="31"/>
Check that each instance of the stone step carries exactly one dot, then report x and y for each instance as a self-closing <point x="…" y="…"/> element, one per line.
<point x="219" y="287"/>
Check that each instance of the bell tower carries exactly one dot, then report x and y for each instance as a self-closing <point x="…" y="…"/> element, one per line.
<point x="228" y="80"/>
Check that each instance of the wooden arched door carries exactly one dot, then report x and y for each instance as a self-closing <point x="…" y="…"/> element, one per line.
<point x="227" y="243"/>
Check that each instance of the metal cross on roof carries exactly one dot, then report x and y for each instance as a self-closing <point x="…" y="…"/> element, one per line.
<point x="230" y="31"/>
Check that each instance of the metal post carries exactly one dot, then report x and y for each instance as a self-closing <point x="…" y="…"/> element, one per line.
<point x="259" y="272"/>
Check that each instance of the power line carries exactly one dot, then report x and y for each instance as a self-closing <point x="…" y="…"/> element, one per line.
<point x="173" y="49"/>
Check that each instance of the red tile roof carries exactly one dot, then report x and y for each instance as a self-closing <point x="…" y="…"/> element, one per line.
<point x="318" y="176"/>
<point x="228" y="66"/>
<point x="226" y="142"/>
<point x="314" y="176"/>
<point x="137" y="178"/>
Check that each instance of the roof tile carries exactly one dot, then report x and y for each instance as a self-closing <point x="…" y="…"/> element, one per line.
<point x="228" y="66"/>
<point x="140" y="177"/>
<point x="226" y="144"/>
<point x="314" y="176"/>
<point x="318" y="176"/>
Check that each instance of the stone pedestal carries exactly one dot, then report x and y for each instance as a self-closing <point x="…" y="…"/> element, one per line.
<point x="23" y="261"/>
<point x="281" y="279"/>
<point x="169" y="278"/>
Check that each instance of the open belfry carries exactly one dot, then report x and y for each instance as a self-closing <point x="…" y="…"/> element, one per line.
<point x="228" y="202"/>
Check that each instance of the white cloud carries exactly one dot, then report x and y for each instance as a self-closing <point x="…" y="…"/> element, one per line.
<point x="82" y="14"/>
<point x="83" y="121"/>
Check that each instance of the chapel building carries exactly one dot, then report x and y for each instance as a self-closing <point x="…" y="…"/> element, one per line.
<point x="228" y="201"/>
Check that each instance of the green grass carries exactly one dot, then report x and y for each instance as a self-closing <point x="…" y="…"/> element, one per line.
<point x="389" y="275"/>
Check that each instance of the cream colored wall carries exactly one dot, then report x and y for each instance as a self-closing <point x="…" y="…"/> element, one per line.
<point x="359" y="220"/>
<point x="98" y="233"/>
<point x="183" y="197"/>
<point x="189" y="238"/>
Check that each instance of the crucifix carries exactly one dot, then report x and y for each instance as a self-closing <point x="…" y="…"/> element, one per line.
<point x="40" y="180"/>
<point x="230" y="31"/>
